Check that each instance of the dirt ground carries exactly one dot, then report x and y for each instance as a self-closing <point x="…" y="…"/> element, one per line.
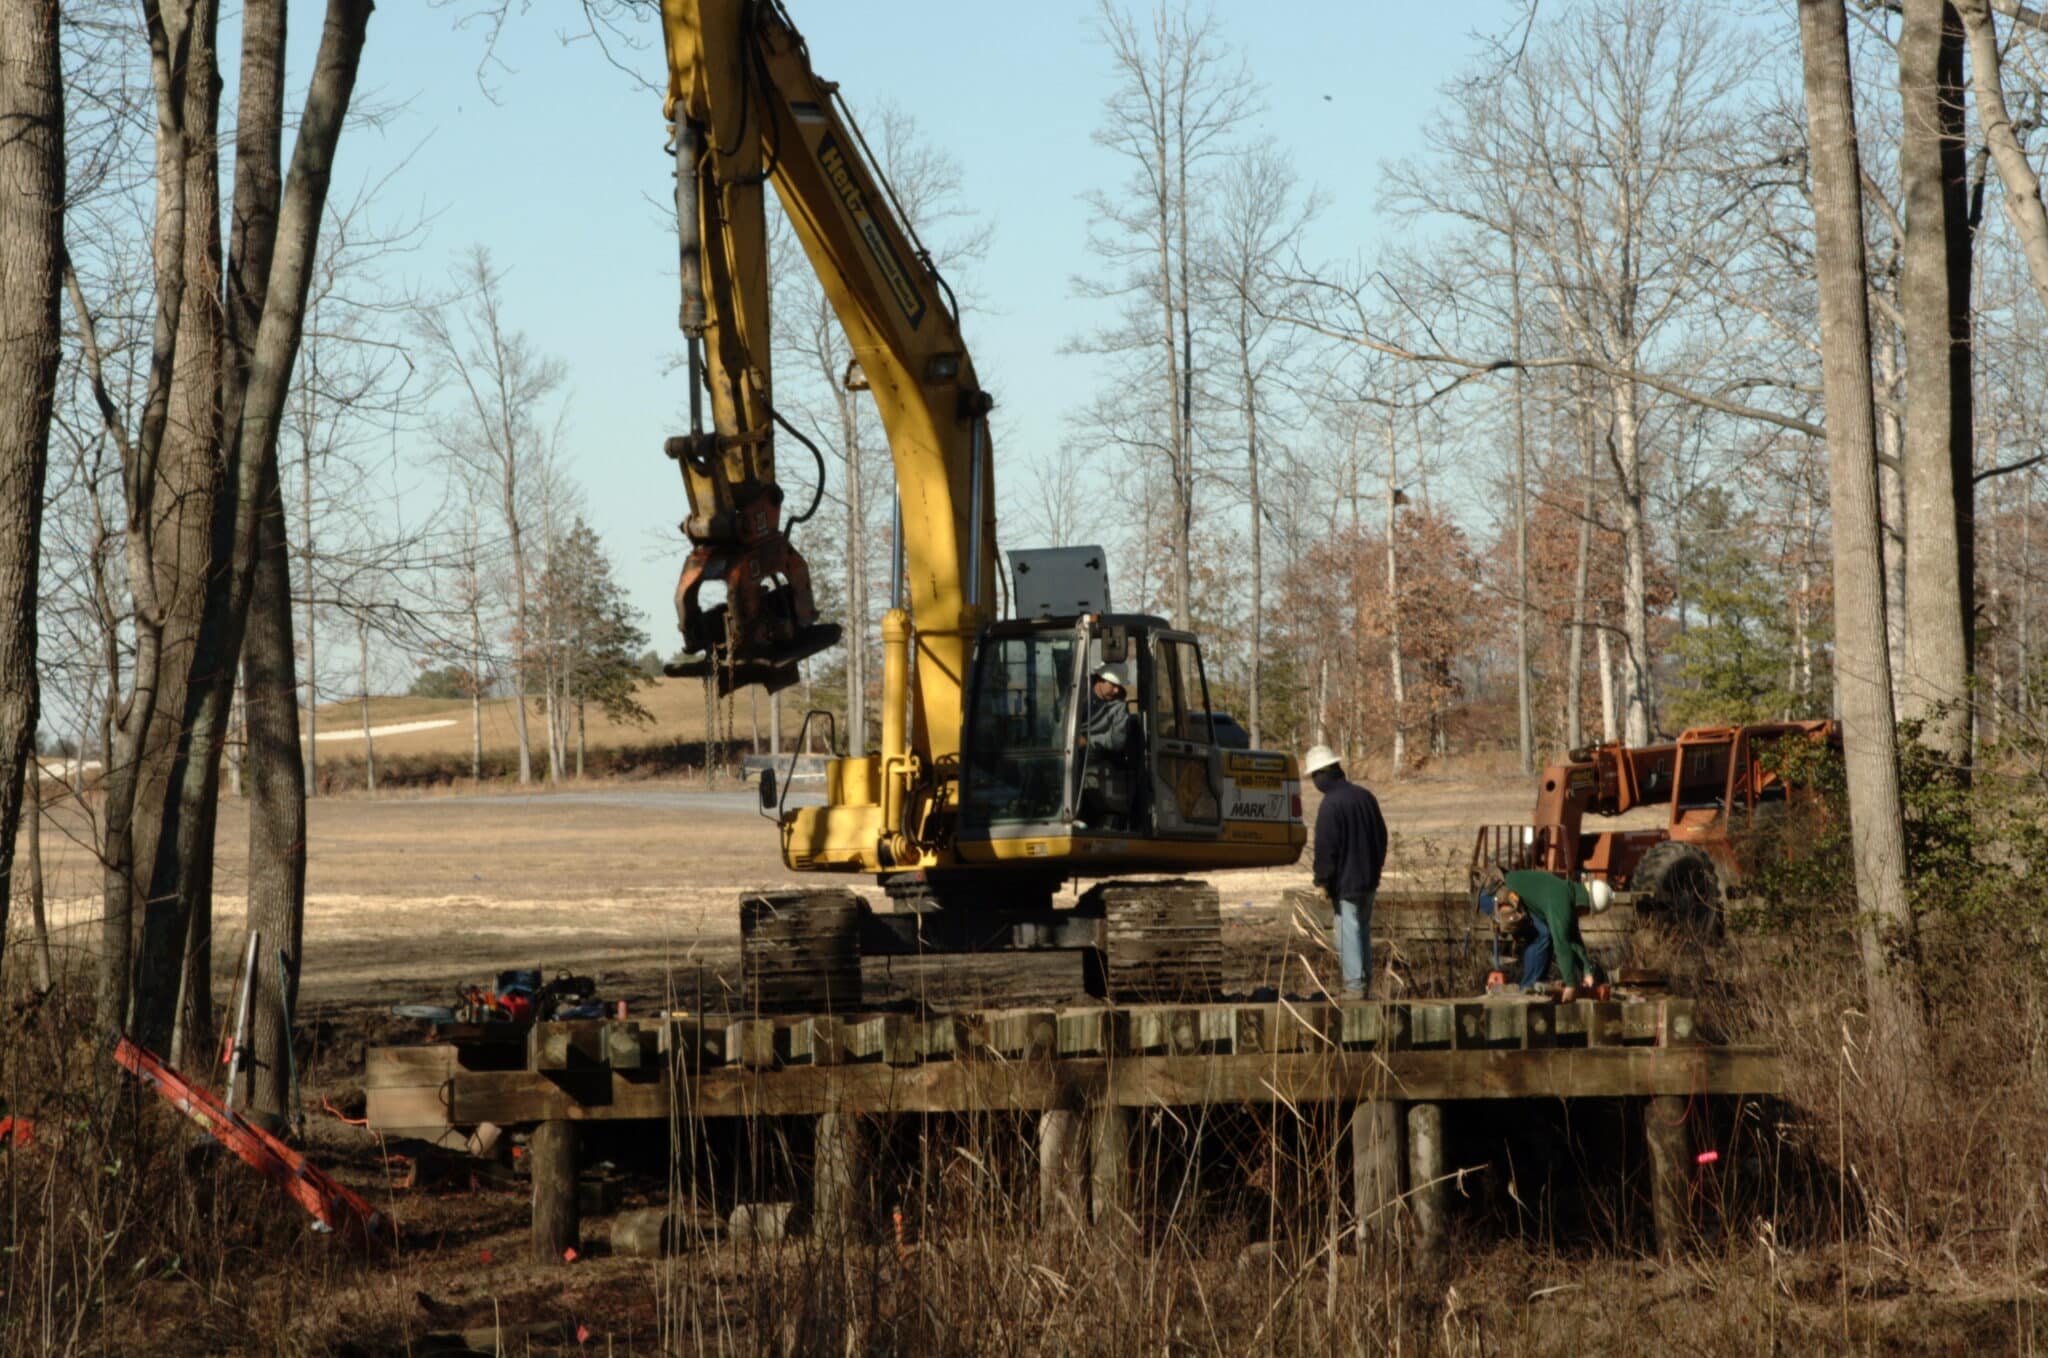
<point x="410" y="895"/>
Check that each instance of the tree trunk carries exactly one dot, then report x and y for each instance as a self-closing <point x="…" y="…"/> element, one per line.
<point x="1639" y="719"/>
<point x="1610" y="714"/>
<point x="1891" y="502"/>
<point x="1525" y="717"/>
<point x="31" y="243"/>
<point x="1258" y="513"/>
<point x="174" y="980"/>
<point x="277" y="813"/>
<point x="476" y="694"/>
<point x="1582" y="567"/>
<point x="521" y="639"/>
<point x="1397" y="684"/>
<point x="363" y="677"/>
<point x="312" y="621"/>
<point x="1862" y="680"/>
<point x="1935" y="260"/>
<point x="39" y="922"/>
<point x="2022" y="186"/>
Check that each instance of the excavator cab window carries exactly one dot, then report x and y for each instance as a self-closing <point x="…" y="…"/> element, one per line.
<point x="1018" y="741"/>
<point x="1186" y="767"/>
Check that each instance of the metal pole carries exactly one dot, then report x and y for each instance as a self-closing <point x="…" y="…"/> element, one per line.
<point x="238" y="1059"/>
<point x="896" y="552"/>
<point x="974" y="494"/>
<point x="690" y="247"/>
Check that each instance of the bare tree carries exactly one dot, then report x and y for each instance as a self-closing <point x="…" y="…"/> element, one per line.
<point x="31" y="239"/>
<point x="502" y="388"/>
<point x="1257" y="226"/>
<point x="1934" y="302"/>
<point x="1180" y="93"/>
<point x="1863" y="680"/>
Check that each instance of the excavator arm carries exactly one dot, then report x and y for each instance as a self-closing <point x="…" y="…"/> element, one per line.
<point x="746" y="110"/>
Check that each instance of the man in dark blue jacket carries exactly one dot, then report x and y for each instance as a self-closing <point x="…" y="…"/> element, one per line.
<point x="1351" y="848"/>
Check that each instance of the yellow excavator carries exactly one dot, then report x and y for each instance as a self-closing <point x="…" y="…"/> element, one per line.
<point x="995" y="783"/>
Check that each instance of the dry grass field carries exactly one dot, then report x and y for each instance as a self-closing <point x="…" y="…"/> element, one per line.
<point x="412" y="892"/>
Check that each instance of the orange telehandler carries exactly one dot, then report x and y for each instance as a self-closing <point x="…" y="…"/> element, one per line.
<point x="1722" y="788"/>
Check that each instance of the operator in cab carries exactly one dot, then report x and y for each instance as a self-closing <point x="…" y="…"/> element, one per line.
<point x="1109" y="736"/>
<point x="1108" y="729"/>
<point x="1351" y="850"/>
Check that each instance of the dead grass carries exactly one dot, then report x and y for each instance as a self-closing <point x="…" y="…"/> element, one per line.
<point x="1858" y="1215"/>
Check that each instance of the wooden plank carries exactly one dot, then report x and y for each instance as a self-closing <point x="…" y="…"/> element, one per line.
<point x="1306" y="1027"/>
<point x="1680" y="1023"/>
<point x="840" y="1179"/>
<point x="1428" y="1193"/>
<point x="520" y="1097"/>
<point x="1376" y="1162"/>
<point x="1084" y="1032"/>
<point x="1641" y="1022"/>
<point x="1251" y="1029"/>
<point x="1062" y="1178"/>
<point x="626" y="1044"/>
<point x="1025" y="1034"/>
<point x="1432" y="1025"/>
<point x="750" y="1042"/>
<point x="551" y="1158"/>
<point x="1361" y="1025"/>
<point x="693" y="1043"/>
<point x="1109" y="1167"/>
<point x="902" y="1040"/>
<point x="1603" y="1021"/>
<point x="820" y="1040"/>
<point x="409" y="1067"/>
<point x="1665" y="1129"/>
<point x="867" y="1039"/>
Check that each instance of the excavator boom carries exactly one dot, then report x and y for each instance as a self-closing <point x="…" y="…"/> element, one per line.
<point x="746" y="110"/>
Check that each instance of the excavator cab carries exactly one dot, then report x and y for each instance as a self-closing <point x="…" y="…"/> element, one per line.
<point x="1047" y="759"/>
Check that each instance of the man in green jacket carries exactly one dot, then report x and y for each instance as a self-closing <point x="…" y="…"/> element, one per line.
<point x="1551" y="904"/>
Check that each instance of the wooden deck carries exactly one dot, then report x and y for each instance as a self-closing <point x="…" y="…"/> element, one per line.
<point x="1083" y="1073"/>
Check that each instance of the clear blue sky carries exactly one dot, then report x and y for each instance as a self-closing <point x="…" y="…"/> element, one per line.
<point x="562" y="175"/>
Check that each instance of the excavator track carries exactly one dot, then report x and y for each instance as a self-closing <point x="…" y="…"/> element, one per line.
<point x="800" y="951"/>
<point x="1162" y="942"/>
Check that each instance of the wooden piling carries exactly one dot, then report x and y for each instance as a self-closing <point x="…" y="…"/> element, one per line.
<point x="1109" y="1166"/>
<point x="1376" y="1167"/>
<point x="1666" y="1131"/>
<point x="840" y="1176"/>
<point x="1427" y="1192"/>
<point x="1062" y="1181"/>
<point x="551" y="1156"/>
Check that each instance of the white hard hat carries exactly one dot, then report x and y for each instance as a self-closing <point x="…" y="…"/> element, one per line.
<point x="1318" y="758"/>
<point x="1599" y="895"/>
<point x="1112" y="674"/>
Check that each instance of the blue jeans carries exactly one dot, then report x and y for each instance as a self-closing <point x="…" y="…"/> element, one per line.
<point x="1354" y="945"/>
<point x="1536" y="957"/>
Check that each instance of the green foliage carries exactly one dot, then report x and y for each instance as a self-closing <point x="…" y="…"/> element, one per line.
<point x="1736" y="658"/>
<point x="1976" y="849"/>
<point x="591" y="645"/>
<point x="446" y="681"/>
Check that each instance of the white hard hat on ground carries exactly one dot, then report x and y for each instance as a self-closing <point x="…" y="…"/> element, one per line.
<point x="1112" y="674"/>
<point x="1599" y="895"/>
<point x="1318" y="758"/>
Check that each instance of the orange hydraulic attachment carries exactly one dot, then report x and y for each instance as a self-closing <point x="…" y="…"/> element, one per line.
<point x="334" y="1207"/>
